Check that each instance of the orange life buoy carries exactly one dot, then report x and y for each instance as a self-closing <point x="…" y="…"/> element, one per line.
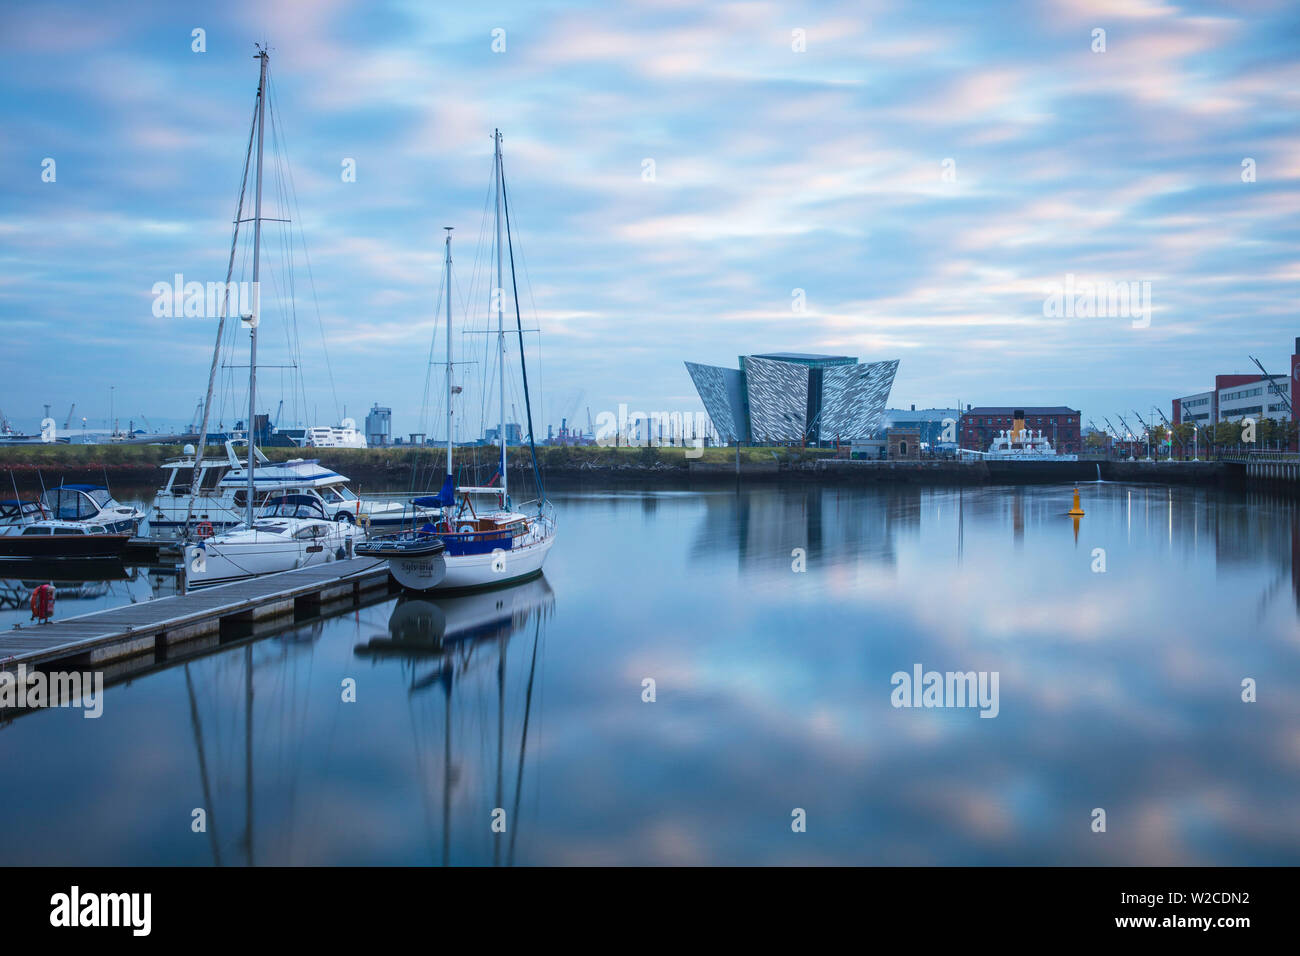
<point x="43" y="602"/>
<point x="204" y="530"/>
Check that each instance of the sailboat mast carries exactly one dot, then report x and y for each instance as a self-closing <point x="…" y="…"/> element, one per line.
<point x="257" y="295"/>
<point x="501" y="333"/>
<point x="449" y="386"/>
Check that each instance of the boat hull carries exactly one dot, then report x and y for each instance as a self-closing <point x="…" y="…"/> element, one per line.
<point x="214" y="562"/>
<point x="49" y="547"/>
<point x="457" y="572"/>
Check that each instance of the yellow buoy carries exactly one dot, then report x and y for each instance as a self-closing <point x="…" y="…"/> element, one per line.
<point x="1076" y="510"/>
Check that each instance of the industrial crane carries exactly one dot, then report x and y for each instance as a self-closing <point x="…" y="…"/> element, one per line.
<point x="1273" y="388"/>
<point x="1128" y="435"/>
<point x="1147" y="429"/>
<point x="1170" y="426"/>
<point x="198" y="417"/>
<point x="68" y="422"/>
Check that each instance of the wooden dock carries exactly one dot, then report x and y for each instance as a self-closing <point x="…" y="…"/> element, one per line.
<point x="152" y="626"/>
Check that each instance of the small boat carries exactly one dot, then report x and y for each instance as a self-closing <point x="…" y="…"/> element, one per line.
<point x="91" y="504"/>
<point x="293" y="531"/>
<point x="51" y="539"/>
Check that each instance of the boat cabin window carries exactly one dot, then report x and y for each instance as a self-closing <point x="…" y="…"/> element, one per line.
<point x="96" y="529"/>
<point x="210" y="478"/>
<point x="72" y="504"/>
<point x="294" y="506"/>
<point x="336" y="495"/>
<point x="36" y="530"/>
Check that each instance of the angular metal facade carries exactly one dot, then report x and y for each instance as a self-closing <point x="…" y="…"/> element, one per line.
<point x="853" y="399"/>
<point x="778" y="400"/>
<point x="721" y="390"/>
<point x="790" y="400"/>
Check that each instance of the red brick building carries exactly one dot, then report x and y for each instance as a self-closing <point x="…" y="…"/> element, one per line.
<point x="1059" y="425"/>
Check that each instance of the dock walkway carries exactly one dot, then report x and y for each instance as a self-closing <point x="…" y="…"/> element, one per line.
<point x="103" y="636"/>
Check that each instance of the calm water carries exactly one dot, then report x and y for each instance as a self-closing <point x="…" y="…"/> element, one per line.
<point x="1119" y="690"/>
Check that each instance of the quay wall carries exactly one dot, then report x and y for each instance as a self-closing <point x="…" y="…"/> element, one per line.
<point x="31" y="467"/>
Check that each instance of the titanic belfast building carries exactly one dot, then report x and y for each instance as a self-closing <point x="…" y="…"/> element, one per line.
<point x="793" y="398"/>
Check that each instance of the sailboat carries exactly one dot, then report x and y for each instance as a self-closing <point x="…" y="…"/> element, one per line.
<point x="490" y="542"/>
<point x="294" y="530"/>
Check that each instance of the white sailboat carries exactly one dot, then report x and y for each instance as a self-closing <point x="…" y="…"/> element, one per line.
<point x="293" y="530"/>
<point x="493" y="543"/>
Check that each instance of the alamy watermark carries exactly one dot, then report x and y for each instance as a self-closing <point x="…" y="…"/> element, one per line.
<point x="198" y="300"/>
<point x="36" y="689"/>
<point x="639" y="429"/>
<point x="923" y="688"/>
<point x="1086" y="300"/>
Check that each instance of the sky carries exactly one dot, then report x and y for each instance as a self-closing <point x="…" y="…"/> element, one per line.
<point x="688" y="181"/>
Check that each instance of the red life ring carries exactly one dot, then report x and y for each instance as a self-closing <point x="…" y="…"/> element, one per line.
<point x="43" y="602"/>
<point x="204" y="530"/>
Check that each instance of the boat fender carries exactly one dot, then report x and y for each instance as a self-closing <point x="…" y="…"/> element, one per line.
<point x="43" y="603"/>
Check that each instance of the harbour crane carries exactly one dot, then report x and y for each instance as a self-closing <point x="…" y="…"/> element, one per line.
<point x="1146" y="428"/>
<point x="1273" y="388"/>
<point x="1170" y="426"/>
<point x="198" y="418"/>
<point x="591" y="429"/>
<point x="67" y="424"/>
<point x="1128" y="435"/>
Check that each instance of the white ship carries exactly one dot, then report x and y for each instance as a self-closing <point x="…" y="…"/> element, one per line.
<point x="344" y="435"/>
<point x="1019" y="443"/>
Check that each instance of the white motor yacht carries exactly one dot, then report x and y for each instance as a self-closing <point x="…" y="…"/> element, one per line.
<point x="222" y="494"/>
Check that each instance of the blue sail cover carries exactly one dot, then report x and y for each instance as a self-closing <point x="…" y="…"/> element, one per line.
<point x="443" y="499"/>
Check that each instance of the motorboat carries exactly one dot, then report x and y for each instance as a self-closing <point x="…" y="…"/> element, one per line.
<point x="219" y="498"/>
<point x="90" y="504"/>
<point x="292" y="531"/>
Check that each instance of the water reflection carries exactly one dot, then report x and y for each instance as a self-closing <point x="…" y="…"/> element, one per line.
<point x="80" y="586"/>
<point x="440" y="644"/>
<point x="1119" y="689"/>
